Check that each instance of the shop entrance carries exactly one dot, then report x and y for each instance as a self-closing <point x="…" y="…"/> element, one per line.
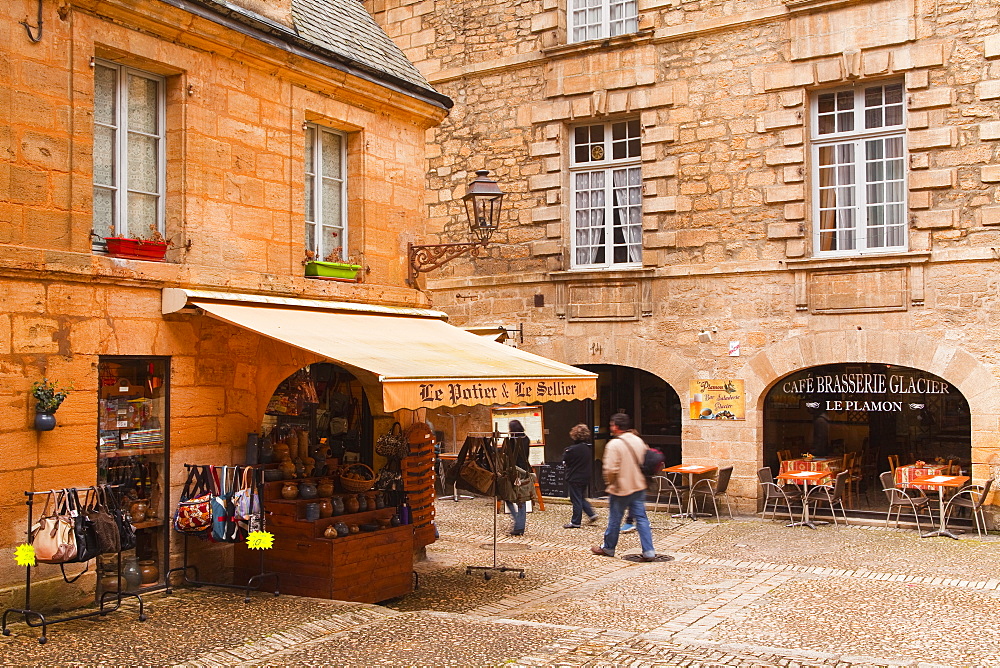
<point x="868" y="413"/>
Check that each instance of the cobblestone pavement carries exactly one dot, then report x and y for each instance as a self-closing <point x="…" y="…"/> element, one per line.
<point x="740" y="593"/>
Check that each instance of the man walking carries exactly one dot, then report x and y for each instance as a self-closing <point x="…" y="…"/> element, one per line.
<point x="626" y="487"/>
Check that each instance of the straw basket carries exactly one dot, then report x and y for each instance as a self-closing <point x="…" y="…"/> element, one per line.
<point x="354" y="485"/>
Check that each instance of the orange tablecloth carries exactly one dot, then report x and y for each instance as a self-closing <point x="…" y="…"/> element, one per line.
<point x="829" y="464"/>
<point x="904" y="474"/>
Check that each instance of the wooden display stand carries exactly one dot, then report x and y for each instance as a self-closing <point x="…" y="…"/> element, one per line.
<point x="366" y="567"/>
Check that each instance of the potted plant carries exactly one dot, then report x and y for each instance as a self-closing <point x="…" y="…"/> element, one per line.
<point x="152" y="247"/>
<point x="329" y="268"/>
<point x="49" y="396"/>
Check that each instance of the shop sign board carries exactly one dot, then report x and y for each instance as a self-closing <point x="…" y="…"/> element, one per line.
<point x="447" y="393"/>
<point x="717" y="399"/>
<point x="864" y="392"/>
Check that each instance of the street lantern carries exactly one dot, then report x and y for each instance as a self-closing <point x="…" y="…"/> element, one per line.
<point x="483" y="202"/>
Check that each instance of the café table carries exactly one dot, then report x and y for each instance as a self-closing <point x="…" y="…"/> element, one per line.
<point x="941" y="482"/>
<point x="905" y="476"/>
<point x="828" y="464"/>
<point x="805" y="478"/>
<point x="691" y="470"/>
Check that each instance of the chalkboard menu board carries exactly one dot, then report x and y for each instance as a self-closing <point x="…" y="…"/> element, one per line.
<point x="552" y="479"/>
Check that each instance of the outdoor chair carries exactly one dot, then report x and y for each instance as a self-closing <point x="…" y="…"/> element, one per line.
<point x="831" y="494"/>
<point x="893" y="464"/>
<point x="669" y="486"/>
<point x="714" y="489"/>
<point x="898" y="500"/>
<point x="773" y="493"/>
<point x="972" y="498"/>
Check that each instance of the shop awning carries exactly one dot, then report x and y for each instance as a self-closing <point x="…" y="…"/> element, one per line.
<point x="421" y="360"/>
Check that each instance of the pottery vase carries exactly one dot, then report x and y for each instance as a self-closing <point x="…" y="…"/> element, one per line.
<point x="290" y="491"/>
<point x="138" y="510"/>
<point x="351" y="504"/>
<point x="312" y="512"/>
<point x="131" y="574"/>
<point x="362" y="503"/>
<point x="325" y="508"/>
<point x="342" y="529"/>
<point x="45" y="421"/>
<point x="330" y="532"/>
<point x="325" y="488"/>
<point x="307" y="490"/>
<point x="149" y="572"/>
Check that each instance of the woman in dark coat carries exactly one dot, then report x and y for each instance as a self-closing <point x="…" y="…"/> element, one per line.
<point x="578" y="459"/>
<point x="519" y="440"/>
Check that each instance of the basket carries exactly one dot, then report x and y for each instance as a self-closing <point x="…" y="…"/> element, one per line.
<point x="355" y="486"/>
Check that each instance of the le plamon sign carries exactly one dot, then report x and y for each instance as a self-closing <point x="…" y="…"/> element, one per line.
<point x="893" y="385"/>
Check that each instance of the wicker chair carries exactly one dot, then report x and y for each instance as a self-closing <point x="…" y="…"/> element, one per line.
<point x="898" y="500"/>
<point x="971" y="497"/>
<point x="773" y="493"/>
<point x="831" y="494"/>
<point x="707" y="488"/>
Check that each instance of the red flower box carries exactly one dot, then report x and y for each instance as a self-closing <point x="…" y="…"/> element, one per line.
<point x="137" y="249"/>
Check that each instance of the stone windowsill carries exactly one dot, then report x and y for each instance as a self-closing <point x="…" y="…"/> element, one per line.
<point x="602" y="274"/>
<point x="855" y="261"/>
<point x="640" y="36"/>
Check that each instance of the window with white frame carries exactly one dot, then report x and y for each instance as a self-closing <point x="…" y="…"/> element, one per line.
<point x="859" y="161"/>
<point x="326" y="193"/>
<point x="129" y="155"/>
<point x="597" y="19"/>
<point x="606" y="194"/>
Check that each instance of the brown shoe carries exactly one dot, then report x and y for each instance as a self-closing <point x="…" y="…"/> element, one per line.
<point x="597" y="549"/>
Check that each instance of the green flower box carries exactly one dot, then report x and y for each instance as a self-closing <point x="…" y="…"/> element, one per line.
<point x="332" y="269"/>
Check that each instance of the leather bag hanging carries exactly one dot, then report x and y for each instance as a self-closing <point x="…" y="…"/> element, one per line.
<point x="52" y="535"/>
<point x="105" y="528"/>
<point x="392" y="444"/>
<point x="87" y="546"/>
<point x="194" y="510"/>
<point x="224" y="526"/>
<point x="474" y="464"/>
<point x="126" y="532"/>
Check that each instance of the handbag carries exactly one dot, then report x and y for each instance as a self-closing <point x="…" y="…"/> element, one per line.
<point x="87" y="546"/>
<point x="392" y="444"/>
<point x="194" y="510"/>
<point x="224" y="526"/>
<point x="105" y="528"/>
<point x="246" y="503"/>
<point x="480" y="479"/>
<point x="123" y="520"/>
<point x="52" y="535"/>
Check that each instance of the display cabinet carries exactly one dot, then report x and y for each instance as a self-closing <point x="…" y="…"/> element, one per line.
<point x="133" y="451"/>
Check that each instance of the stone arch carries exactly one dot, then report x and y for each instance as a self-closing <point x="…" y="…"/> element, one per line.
<point x="964" y="371"/>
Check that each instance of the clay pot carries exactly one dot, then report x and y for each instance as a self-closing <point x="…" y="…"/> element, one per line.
<point x="325" y="508"/>
<point x="330" y="531"/>
<point x="325" y="488"/>
<point x="271" y="475"/>
<point x="338" y="505"/>
<point x="290" y="491"/>
<point x="149" y="571"/>
<point x="307" y="490"/>
<point x="395" y="521"/>
<point x="287" y="469"/>
<point x="379" y="501"/>
<point x="342" y="529"/>
<point x="351" y="504"/>
<point x="362" y="503"/>
<point x="354" y="528"/>
<point x="312" y="512"/>
<point x="131" y="574"/>
<point x="138" y="510"/>
<point x="384" y="522"/>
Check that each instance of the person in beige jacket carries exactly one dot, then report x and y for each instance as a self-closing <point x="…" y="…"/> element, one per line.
<point x="626" y="487"/>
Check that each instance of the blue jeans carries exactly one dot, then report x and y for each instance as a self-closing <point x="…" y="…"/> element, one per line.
<point x="578" y="496"/>
<point x="636" y="504"/>
<point x="519" y="513"/>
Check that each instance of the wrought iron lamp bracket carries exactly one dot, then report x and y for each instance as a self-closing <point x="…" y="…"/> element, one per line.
<point x="424" y="258"/>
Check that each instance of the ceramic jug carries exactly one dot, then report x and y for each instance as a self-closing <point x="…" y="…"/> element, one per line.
<point x="307" y="490"/>
<point x="351" y="504"/>
<point x="338" y="505"/>
<point x="325" y="508"/>
<point x="290" y="491"/>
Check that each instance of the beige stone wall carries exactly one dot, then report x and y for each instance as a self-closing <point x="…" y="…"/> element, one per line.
<point x="234" y="210"/>
<point x="723" y="95"/>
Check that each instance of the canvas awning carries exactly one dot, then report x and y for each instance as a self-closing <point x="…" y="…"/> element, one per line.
<point x="420" y="360"/>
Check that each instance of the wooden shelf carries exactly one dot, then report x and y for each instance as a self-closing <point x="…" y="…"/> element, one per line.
<point x="148" y="524"/>
<point x="131" y="452"/>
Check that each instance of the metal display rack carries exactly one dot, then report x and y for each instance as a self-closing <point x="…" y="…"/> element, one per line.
<point x="35" y="619"/>
<point x="252" y="581"/>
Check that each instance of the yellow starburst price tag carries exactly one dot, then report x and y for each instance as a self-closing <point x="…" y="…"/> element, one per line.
<point x="24" y="555"/>
<point x="260" y="540"/>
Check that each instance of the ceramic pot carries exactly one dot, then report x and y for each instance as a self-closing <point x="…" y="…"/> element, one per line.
<point x="362" y="503"/>
<point x="330" y="532"/>
<point x="290" y="491"/>
<point x="271" y="475"/>
<point x="325" y="488"/>
<point x="379" y="501"/>
<point x="384" y="522"/>
<point x="338" y="505"/>
<point x="351" y="504"/>
<point x="325" y="508"/>
<point x="266" y="451"/>
<point x="131" y="574"/>
<point x="395" y="521"/>
<point x="307" y="490"/>
<point x="287" y="469"/>
<point x="109" y="582"/>
<point x="312" y="512"/>
<point x="149" y="572"/>
<point x="138" y="510"/>
<point x="354" y="528"/>
<point x="342" y="529"/>
<point x="45" y="421"/>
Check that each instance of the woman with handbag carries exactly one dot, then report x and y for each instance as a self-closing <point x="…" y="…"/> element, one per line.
<point x="519" y="443"/>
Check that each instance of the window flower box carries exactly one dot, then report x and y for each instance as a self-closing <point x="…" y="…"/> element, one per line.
<point x="137" y="249"/>
<point x="343" y="270"/>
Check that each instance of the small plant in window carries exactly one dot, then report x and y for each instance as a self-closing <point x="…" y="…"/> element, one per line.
<point x="151" y="246"/>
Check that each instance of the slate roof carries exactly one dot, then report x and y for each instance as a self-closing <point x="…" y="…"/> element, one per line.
<point x="345" y="30"/>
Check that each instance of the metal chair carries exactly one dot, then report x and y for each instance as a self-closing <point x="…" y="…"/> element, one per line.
<point x="974" y="502"/>
<point x="831" y="494"/>
<point x="665" y="484"/>
<point x="775" y="493"/>
<point x="898" y="499"/>
<point x="713" y="489"/>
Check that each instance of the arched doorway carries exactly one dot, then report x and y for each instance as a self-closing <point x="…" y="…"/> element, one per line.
<point x="871" y="410"/>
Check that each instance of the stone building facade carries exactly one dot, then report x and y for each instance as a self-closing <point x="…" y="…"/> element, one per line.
<point x="759" y="220"/>
<point x="233" y="90"/>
